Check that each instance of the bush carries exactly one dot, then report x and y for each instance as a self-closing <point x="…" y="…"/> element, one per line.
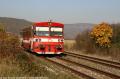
<point x="9" y="44"/>
<point x="116" y="35"/>
<point x="83" y="42"/>
<point x="28" y="66"/>
<point x="102" y="34"/>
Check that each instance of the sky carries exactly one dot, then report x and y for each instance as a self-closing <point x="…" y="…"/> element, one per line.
<point x="65" y="11"/>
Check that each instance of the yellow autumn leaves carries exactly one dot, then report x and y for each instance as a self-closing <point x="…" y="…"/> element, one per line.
<point x="102" y="34"/>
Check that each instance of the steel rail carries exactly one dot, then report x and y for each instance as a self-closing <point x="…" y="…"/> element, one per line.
<point x="96" y="60"/>
<point x="93" y="69"/>
<point x="70" y="69"/>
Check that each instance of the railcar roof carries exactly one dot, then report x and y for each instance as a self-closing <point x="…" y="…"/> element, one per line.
<point x="47" y="24"/>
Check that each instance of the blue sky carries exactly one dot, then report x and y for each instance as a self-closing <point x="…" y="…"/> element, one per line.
<point x="66" y="11"/>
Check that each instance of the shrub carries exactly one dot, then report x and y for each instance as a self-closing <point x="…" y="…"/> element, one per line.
<point x="102" y="34"/>
<point x="9" y="44"/>
<point x="116" y="35"/>
<point x="83" y="42"/>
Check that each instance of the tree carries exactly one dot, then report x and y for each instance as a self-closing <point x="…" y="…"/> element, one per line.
<point x="102" y="34"/>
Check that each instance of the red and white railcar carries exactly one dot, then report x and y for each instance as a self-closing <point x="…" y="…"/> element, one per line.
<point x="44" y="38"/>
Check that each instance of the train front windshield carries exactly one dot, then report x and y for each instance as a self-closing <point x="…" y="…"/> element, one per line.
<point x="49" y="31"/>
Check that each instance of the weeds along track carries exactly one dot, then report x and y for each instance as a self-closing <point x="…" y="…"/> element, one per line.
<point x="81" y="74"/>
<point x="96" y="60"/>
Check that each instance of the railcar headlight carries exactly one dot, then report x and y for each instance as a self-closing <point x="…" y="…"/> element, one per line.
<point x="59" y="47"/>
<point x="39" y="40"/>
<point x="60" y="40"/>
<point x="36" y="40"/>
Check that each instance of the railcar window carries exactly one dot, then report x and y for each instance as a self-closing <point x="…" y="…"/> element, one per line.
<point x="56" y="31"/>
<point x="42" y="28"/>
<point x="42" y="33"/>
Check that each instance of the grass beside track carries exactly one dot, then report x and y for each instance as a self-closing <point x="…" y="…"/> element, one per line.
<point x="29" y="65"/>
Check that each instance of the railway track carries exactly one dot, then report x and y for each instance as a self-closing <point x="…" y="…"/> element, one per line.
<point x="96" y="60"/>
<point x="81" y="74"/>
<point x="113" y="76"/>
<point x="84" y="75"/>
<point x="112" y="64"/>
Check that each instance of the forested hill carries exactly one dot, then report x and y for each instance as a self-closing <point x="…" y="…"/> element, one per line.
<point x="71" y="30"/>
<point x="15" y="25"/>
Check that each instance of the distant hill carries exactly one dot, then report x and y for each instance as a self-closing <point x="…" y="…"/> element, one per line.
<point x="15" y="25"/>
<point x="71" y="30"/>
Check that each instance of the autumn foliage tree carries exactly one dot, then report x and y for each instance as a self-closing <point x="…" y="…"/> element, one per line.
<point x="102" y="34"/>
